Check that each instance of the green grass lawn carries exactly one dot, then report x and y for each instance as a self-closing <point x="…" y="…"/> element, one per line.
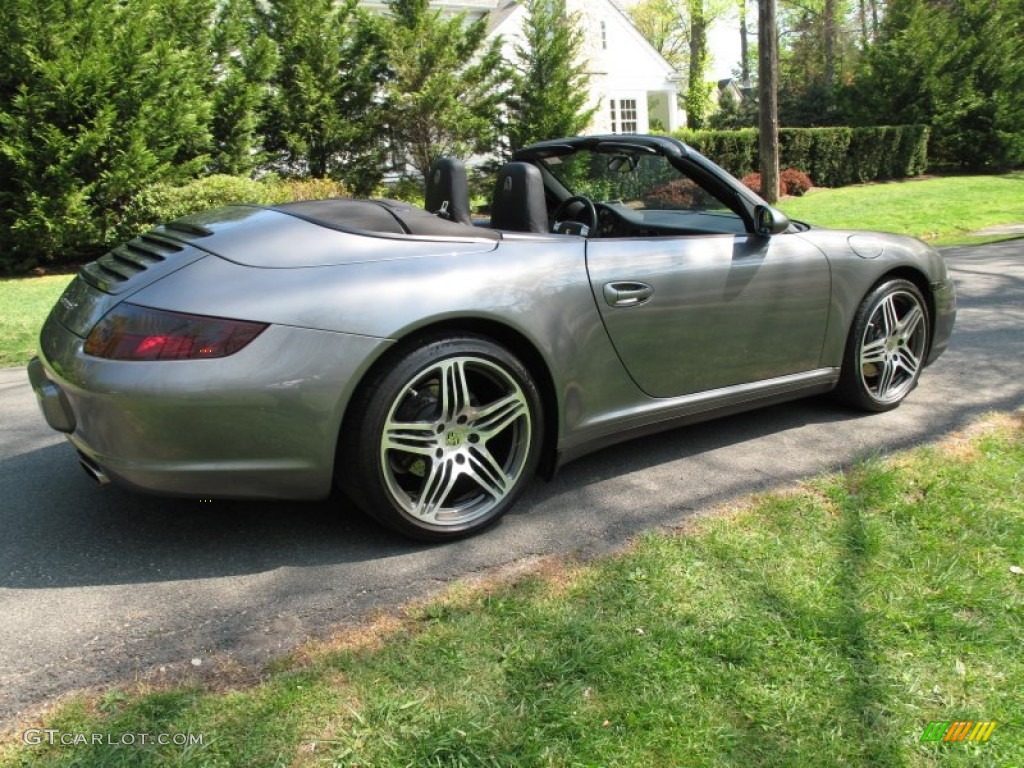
<point x="825" y="625"/>
<point x="24" y="305"/>
<point x="942" y="210"/>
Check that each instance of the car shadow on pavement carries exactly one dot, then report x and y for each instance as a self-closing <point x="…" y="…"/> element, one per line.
<point x="61" y="530"/>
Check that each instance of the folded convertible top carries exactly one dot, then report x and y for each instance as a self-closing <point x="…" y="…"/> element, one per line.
<point x="382" y="216"/>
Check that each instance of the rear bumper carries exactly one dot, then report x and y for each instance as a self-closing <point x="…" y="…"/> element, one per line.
<point x="263" y="423"/>
<point x="52" y="400"/>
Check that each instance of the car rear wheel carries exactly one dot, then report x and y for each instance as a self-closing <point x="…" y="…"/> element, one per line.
<point x="447" y="438"/>
<point x="887" y="347"/>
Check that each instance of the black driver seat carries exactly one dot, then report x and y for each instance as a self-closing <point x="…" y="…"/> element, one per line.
<point x="519" y="204"/>
<point x="447" y="191"/>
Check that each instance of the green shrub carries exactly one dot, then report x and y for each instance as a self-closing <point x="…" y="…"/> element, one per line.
<point x="735" y="151"/>
<point x="831" y="161"/>
<point x="409" y="189"/>
<point x="913" y="151"/>
<point x="164" y="202"/>
<point x="869" y="154"/>
<point x="291" y="190"/>
<point x="796" y="147"/>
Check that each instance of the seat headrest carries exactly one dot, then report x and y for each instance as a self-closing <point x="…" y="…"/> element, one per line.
<point x="447" y="191"/>
<point x="519" y="202"/>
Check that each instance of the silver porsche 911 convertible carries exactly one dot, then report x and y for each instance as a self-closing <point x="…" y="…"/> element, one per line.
<point x="430" y="365"/>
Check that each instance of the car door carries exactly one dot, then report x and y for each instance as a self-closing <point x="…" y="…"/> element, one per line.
<point x="700" y="312"/>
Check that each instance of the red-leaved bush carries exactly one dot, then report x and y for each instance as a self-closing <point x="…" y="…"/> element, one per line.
<point x="791" y="182"/>
<point x="676" y="195"/>
<point x="794" y="182"/>
<point x="752" y="181"/>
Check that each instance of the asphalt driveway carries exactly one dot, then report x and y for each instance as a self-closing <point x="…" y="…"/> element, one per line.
<point x="99" y="584"/>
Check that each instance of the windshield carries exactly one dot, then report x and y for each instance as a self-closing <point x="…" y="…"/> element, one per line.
<point x="637" y="179"/>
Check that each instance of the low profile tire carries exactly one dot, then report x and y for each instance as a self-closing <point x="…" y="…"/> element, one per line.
<point x="446" y="439"/>
<point x="887" y="347"/>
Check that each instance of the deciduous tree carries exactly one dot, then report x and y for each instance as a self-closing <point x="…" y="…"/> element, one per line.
<point x="818" y="52"/>
<point x="698" y="90"/>
<point x="665" y="25"/>
<point x="678" y="29"/>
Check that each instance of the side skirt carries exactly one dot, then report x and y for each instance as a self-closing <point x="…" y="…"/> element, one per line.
<point x="658" y="415"/>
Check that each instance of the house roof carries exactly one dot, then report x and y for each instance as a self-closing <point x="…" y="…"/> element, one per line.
<point x="743" y="91"/>
<point x="502" y="10"/>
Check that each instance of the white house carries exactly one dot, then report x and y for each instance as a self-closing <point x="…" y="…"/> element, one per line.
<point x="632" y="86"/>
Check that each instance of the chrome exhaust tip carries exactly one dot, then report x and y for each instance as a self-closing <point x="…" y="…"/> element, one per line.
<point x="92" y="469"/>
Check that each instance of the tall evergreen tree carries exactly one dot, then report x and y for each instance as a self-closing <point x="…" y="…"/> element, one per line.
<point x="244" y="59"/>
<point x="324" y="116"/>
<point x="956" y="67"/>
<point x="549" y="93"/>
<point x="100" y="99"/>
<point x="447" y="85"/>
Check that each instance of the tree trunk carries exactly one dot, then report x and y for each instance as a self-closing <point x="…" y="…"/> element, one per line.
<point x="744" y="46"/>
<point x="768" y="119"/>
<point x="696" y="91"/>
<point x="863" y="19"/>
<point x="831" y="33"/>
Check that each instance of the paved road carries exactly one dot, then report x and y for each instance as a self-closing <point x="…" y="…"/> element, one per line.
<point x="99" y="584"/>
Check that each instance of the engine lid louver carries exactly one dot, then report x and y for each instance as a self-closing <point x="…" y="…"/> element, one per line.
<point x="113" y="272"/>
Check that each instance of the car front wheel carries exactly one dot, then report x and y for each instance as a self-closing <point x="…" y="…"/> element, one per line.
<point x="447" y="438"/>
<point x="887" y="347"/>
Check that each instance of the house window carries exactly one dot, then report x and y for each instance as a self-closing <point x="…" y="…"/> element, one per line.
<point x="604" y="35"/>
<point x="624" y="115"/>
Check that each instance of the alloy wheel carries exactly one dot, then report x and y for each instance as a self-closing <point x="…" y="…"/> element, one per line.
<point x="893" y="346"/>
<point x="455" y="441"/>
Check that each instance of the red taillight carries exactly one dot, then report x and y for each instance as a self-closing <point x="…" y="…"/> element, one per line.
<point x="129" y="332"/>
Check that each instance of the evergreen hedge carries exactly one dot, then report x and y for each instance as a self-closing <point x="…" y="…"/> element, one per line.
<point x="833" y="157"/>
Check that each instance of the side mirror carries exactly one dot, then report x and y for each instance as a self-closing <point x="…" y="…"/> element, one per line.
<point x="770" y="221"/>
